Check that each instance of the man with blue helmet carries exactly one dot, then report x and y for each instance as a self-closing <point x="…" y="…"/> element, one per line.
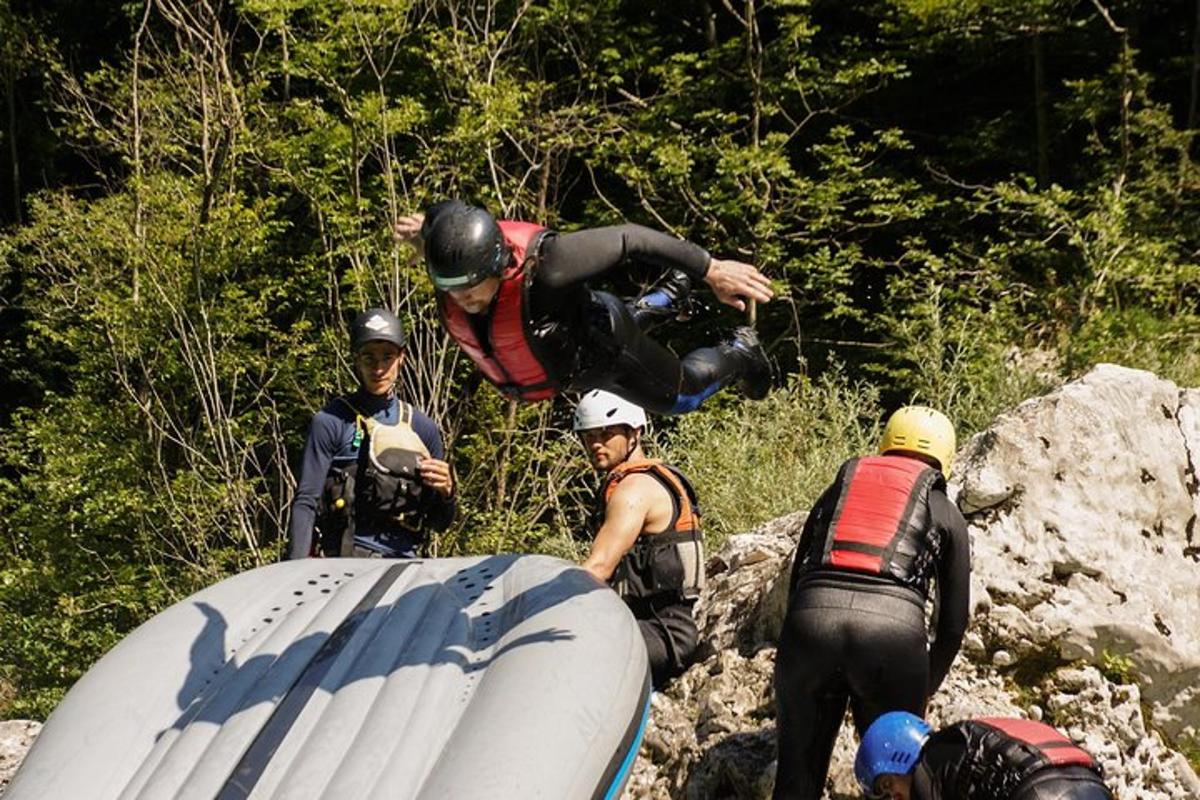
<point x="989" y="758"/>
<point x="880" y="541"/>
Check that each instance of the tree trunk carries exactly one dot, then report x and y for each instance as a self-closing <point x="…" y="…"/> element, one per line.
<point x="1039" y="110"/>
<point x="710" y="23"/>
<point x="10" y="96"/>
<point x="1194" y="100"/>
<point x="287" y="63"/>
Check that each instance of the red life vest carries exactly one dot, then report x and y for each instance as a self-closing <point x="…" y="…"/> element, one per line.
<point x="669" y="564"/>
<point x="507" y="357"/>
<point x="1053" y="748"/>
<point x="1003" y="753"/>
<point x="881" y="521"/>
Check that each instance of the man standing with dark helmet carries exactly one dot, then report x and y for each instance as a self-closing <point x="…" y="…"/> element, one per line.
<point x="374" y="475"/>
<point x="514" y="295"/>
<point x="855" y="630"/>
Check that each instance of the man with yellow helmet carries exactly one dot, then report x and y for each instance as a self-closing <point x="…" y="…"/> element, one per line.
<point x="855" y="629"/>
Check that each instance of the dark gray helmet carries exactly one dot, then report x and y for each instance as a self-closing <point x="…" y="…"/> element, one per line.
<point x="464" y="247"/>
<point x="377" y="325"/>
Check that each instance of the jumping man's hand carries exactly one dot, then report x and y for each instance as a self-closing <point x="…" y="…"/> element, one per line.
<point x="408" y="228"/>
<point x="437" y="476"/>
<point x="731" y="281"/>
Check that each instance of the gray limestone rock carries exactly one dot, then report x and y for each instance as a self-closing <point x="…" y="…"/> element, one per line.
<point x="1084" y="505"/>
<point x="1083" y="508"/>
<point x="16" y="737"/>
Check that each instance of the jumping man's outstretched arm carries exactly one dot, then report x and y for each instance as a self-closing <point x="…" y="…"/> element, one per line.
<point x="571" y="258"/>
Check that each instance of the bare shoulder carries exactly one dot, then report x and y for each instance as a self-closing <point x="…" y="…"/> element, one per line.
<point x="639" y="487"/>
<point x="646" y="494"/>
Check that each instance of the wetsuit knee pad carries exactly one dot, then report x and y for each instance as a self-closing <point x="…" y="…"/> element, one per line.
<point x="705" y="372"/>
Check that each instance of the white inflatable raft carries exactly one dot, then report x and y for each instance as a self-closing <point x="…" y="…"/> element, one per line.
<point x="444" y="679"/>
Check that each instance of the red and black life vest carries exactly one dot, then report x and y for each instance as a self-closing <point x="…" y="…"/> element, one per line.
<point x="507" y="356"/>
<point x="1003" y="753"/>
<point x="667" y="565"/>
<point x="880" y="523"/>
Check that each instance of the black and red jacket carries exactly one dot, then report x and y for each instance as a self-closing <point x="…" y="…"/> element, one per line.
<point x="996" y="758"/>
<point x="501" y="343"/>
<point x="880" y="522"/>
<point x="885" y="525"/>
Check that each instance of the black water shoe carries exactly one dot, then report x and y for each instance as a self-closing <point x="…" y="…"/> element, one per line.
<point x="756" y="370"/>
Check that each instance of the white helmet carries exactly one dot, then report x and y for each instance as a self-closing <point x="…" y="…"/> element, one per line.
<point x="599" y="408"/>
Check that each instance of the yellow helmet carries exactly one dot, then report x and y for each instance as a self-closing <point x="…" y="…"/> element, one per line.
<point x="918" y="429"/>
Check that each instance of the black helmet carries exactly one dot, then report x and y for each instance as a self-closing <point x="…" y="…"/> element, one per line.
<point x="464" y="247"/>
<point x="377" y="325"/>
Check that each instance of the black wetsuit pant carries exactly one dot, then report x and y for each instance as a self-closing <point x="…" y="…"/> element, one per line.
<point x="842" y="643"/>
<point x="671" y="636"/>
<point x="622" y="359"/>
<point x="1063" y="783"/>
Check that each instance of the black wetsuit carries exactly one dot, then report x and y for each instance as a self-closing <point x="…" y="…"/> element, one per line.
<point x="970" y="761"/>
<point x="590" y="340"/>
<point x="669" y="630"/>
<point x="661" y="576"/>
<point x="331" y="444"/>
<point x="857" y="638"/>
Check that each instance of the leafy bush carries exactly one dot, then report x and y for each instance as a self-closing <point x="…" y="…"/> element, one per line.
<point x="752" y="462"/>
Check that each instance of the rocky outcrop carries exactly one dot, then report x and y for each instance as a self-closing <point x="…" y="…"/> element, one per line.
<point x="1083" y="508"/>
<point x="16" y="737"/>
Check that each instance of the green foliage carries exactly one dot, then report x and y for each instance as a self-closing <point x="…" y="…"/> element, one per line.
<point x="1190" y="747"/>
<point x="1117" y="668"/>
<point x="753" y="462"/>
<point x="175" y="297"/>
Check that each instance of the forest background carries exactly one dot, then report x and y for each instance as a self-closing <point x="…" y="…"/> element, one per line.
<point x="961" y="203"/>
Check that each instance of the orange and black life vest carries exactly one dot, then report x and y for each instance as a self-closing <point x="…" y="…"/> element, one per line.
<point x="880" y="523"/>
<point x="667" y="565"/>
<point x="1003" y="753"/>
<point x="507" y="356"/>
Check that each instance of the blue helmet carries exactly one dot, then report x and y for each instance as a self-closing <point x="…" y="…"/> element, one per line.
<point x="890" y="747"/>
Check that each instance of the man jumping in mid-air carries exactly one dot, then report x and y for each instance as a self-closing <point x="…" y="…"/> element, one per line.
<point x="515" y="297"/>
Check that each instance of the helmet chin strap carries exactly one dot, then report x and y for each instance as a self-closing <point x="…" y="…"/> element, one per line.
<point x="633" y="445"/>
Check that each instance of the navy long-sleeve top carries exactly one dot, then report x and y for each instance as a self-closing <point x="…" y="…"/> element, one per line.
<point x="331" y="444"/>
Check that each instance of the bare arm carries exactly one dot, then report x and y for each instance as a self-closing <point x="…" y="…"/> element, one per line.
<point x="634" y="506"/>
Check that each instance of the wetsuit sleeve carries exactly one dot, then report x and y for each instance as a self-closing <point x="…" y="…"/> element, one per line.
<point x="568" y="259"/>
<point x="442" y="509"/>
<point x="954" y="588"/>
<point x="942" y="759"/>
<point x="319" y="450"/>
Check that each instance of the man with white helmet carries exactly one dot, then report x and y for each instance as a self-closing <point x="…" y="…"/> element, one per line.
<point x="855" y="631"/>
<point x="648" y="544"/>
